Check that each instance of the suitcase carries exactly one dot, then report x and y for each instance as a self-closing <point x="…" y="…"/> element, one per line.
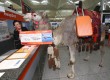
<point x="84" y="25"/>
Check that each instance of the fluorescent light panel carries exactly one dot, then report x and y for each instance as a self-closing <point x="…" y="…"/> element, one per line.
<point x="35" y="1"/>
<point x="1" y="3"/>
<point x="8" y="2"/>
<point x="108" y="1"/>
<point x="76" y="2"/>
<point x="99" y="3"/>
<point x="42" y="2"/>
<point x="70" y="1"/>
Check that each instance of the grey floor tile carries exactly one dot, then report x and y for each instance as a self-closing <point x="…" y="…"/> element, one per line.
<point x="52" y="79"/>
<point x="108" y="74"/>
<point x="49" y="73"/>
<point x="103" y="76"/>
<point x="92" y="77"/>
<point x="89" y="77"/>
<point x="65" y="78"/>
<point x="88" y="70"/>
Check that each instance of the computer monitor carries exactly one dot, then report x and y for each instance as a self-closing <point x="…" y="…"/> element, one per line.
<point x="106" y="18"/>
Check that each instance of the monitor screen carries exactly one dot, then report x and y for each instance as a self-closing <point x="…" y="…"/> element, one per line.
<point x="106" y="18"/>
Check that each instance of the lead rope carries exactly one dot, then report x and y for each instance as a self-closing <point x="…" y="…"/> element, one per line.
<point x="82" y="11"/>
<point x="78" y="13"/>
<point x="81" y="46"/>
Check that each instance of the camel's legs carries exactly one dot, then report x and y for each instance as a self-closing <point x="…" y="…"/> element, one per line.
<point x="72" y="61"/>
<point x="102" y="52"/>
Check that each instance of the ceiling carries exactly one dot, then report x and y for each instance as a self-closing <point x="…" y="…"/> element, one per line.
<point x="55" y="8"/>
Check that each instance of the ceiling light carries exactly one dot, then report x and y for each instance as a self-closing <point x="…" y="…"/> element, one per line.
<point x="108" y="1"/>
<point x="35" y="2"/>
<point x="8" y="2"/>
<point x="76" y="2"/>
<point x="99" y="3"/>
<point x="44" y="2"/>
<point x="1" y="3"/>
<point x="70" y="1"/>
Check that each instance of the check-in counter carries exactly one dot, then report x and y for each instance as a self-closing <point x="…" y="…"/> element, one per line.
<point x="17" y="66"/>
<point x="22" y="67"/>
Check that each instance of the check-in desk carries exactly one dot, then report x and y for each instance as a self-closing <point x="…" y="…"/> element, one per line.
<point x="21" y="67"/>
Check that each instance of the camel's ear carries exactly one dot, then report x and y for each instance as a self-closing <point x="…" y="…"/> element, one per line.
<point x="43" y="14"/>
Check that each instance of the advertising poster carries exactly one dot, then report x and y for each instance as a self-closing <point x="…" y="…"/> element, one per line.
<point x="4" y="32"/>
<point x="36" y="37"/>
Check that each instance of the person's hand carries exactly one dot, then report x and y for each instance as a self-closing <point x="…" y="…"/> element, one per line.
<point x="19" y="30"/>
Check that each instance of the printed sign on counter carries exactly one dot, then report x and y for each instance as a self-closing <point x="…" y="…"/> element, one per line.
<point x="27" y="48"/>
<point x="36" y="37"/>
<point x="18" y="56"/>
<point x="11" y="64"/>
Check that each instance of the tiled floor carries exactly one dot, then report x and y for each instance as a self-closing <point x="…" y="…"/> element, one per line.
<point x="83" y="70"/>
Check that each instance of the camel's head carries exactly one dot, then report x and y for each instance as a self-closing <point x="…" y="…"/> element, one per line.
<point x="35" y="16"/>
<point x="32" y="16"/>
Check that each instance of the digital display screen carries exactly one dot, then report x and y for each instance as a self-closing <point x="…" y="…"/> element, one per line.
<point x="106" y="18"/>
<point x="54" y="23"/>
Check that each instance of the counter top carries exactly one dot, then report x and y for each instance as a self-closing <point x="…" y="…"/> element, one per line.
<point x="13" y="74"/>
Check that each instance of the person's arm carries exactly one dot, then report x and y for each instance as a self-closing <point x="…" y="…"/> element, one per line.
<point x="24" y="29"/>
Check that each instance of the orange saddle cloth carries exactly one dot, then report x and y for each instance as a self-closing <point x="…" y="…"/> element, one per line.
<point x="84" y="26"/>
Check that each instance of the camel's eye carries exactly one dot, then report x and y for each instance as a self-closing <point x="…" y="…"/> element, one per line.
<point x="34" y="15"/>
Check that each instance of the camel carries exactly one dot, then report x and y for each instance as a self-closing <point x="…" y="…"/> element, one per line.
<point x="67" y="34"/>
<point x="40" y="22"/>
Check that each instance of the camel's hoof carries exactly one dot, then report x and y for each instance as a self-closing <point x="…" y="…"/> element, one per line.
<point x="71" y="76"/>
<point x="85" y="59"/>
<point x="100" y="65"/>
<point x="57" y="67"/>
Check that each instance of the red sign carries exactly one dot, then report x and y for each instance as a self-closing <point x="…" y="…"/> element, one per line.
<point x="11" y="16"/>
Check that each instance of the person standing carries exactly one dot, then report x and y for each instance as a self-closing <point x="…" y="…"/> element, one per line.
<point x="18" y="27"/>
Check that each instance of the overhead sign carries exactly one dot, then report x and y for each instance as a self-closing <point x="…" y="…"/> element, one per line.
<point x="11" y="16"/>
<point x="36" y="37"/>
